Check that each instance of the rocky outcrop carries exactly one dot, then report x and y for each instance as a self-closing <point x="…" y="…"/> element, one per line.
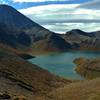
<point x="89" y="68"/>
<point x="4" y="96"/>
<point x="53" y="43"/>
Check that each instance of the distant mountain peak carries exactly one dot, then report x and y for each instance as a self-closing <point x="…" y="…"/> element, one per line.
<point x="79" y="32"/>
<point x="12" y="18"/>
<point x="4" y="7"/>
<point x="75" y="31"/>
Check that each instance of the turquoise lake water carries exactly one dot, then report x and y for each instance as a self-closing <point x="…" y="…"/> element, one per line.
<point x="62" y="63"/>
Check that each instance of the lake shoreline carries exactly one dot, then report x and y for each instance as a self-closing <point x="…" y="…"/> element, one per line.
<point x="59" y="62"/>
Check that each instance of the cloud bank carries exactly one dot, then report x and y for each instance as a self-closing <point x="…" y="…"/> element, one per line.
<point x="64" y="17"/>
<point x="61" y="15"/>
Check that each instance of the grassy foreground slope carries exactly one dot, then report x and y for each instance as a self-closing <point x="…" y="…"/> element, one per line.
<point x="19" y="77"/>
<point x="21" y="80"/>
<point x="85" y="90"/>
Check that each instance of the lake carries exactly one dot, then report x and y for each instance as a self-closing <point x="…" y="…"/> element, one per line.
<point x="62" y="63"/>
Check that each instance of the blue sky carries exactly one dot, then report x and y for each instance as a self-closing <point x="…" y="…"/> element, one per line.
<point x="19" y="4"/>
<point x="60" y="15"/>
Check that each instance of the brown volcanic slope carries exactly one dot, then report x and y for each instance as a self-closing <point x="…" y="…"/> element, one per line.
<point x="21" y="78"/>
<point x="89" y="68"/>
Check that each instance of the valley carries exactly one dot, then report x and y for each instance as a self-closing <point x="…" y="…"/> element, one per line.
<point x="38" y="64"/>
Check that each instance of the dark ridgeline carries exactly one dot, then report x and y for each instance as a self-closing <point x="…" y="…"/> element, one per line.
<point x="19" y="31"/>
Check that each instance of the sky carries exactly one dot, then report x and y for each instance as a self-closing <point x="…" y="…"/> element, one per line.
<point x="60" y="15"/>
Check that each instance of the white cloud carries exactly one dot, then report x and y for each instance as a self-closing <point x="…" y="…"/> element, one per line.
<point x="64" y="17"/>
<point x="48" y="9"/>
<point x="95" y="4"/>
<point x="36" y="0"/>
<point x="64" y="27"/>
<point x="3" y="2"/>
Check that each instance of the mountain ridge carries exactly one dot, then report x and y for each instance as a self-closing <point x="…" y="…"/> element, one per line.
<point x="85" y="41"/>
<point x="25" y="32"/>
